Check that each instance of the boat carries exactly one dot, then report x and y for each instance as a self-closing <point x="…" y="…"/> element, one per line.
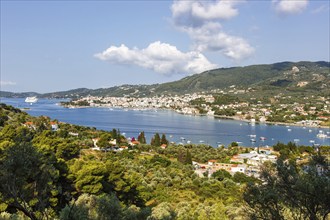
<point x="321" y="135"/>
<point x="289" y="129"/>
<point x="296" y="140"/>
<point x="263" y="138"/>
<point x="31" y="99"/>
<point x="253" y="140"/>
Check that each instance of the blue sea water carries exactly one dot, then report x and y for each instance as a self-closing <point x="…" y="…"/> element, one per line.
<point x="178" y="128"/>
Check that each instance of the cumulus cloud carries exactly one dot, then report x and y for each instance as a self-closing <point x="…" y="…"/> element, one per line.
<point x="290" y="6"/>
<point x="196" y="13"/>
<point x="160" y="57"/>
<point x="7" y="83"/>
<point x="201" y="20"/>
<point x="210" y="38"/>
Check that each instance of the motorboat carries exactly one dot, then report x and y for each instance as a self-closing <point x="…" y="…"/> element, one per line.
<point x="31" y="99"/>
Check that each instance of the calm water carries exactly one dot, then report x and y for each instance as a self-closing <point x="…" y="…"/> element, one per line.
<point x="177" y="127"/>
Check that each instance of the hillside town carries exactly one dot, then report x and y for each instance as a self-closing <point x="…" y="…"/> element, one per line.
<point x="310" y="111"/>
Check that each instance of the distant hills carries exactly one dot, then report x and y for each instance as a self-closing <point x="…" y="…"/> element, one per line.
<point x="282" y="77"/>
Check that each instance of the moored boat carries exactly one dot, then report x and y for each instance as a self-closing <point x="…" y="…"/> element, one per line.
<point x="31" y="99"/>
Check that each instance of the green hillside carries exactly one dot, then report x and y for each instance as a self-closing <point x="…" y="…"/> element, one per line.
<point x="278" y="76"/>
<point x="52" y="170"/>
<point x="293" y="77"/>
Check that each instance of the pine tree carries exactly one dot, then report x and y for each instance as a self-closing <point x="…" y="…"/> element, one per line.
<point x="164" y="140"/>
<point x="114" y="133"/>
<point x="155" y="141"/>
<point x="185" y="157"/>
<point x="142" y="138"/>
<point x="181" y="157"/>
<point x="118" y="137"/>
<point x="188" y="157"/>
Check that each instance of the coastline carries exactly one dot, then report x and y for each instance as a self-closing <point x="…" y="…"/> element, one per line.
<point x="236" y="118"/>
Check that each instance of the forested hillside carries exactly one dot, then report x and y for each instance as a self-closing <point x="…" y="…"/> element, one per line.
<point x="49" y="170"/>
<point x="285" y="75"/>
<point x="288" y="77"/>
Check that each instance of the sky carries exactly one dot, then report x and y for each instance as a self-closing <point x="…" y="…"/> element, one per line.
<point x="49" y="46"/>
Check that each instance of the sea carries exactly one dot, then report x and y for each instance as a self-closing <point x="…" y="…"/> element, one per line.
<point x="178" y="128"/>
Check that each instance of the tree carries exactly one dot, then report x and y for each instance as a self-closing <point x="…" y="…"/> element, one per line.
<point x="233" y="144"/>
<point x="242" y="178"/>
<point x="164" y="140"/>
<point x="142" y="138"/>
<point x="221" y="175"/>
<point x="185" y="157"/>
<point x="88" y="176"/>
<point x="118" y="137"/>
<point x="188" y="157"/>
<point x="103" y="142"/>
<point x="67" y="151"/>
<point x="290" y="190"/>
<point x="155" y="141"/>
<point x="27" y="180"/>
<point x="87" y="206"/>
<point x="163" y="211"/>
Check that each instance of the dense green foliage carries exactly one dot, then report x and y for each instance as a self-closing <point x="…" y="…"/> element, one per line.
<point x="291" y="191"/>
<point x="48" y="173"/>
<point x="147" y="182"/>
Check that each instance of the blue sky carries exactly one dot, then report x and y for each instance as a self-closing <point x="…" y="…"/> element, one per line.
<point x="49" y="46"/>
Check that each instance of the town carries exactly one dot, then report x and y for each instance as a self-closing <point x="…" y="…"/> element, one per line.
<point x="234" y="103"/>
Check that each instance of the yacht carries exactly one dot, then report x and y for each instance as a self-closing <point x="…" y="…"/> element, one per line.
<point x="31" y="99"/>
<point x="321" y="135"/>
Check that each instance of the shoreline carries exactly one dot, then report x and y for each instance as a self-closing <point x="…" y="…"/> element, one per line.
<point x="271" y="122"/>
<point x="203" y="115"/>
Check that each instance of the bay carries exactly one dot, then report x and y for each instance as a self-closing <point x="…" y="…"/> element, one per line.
<point x="177" y="127"/>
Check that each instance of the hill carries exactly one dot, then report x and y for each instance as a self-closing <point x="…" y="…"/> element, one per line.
<point x="313" y="77"/>
<point x="287" y="75"/>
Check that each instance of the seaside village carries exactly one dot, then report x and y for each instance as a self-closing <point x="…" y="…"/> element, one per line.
<point x="247" y="163"/>
<point x="254" y="110"/>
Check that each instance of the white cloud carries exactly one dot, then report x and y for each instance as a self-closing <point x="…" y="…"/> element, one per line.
<point x="322" y="8"/>
<point x="210" y="38"/>
<point x="7" y="83"/>
<point x="196" y="13"/>
<point x="160" y="57"/>
<point x="201" y="21"/>
<point x="290" y="6"/>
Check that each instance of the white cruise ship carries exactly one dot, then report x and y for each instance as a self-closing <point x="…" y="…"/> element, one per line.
<point x="32" y="99"/>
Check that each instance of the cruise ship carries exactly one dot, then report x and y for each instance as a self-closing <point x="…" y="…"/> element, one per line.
<point x="32" y="99"/>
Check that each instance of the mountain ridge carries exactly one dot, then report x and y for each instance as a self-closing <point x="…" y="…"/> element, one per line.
<point x="292" y="76"/>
